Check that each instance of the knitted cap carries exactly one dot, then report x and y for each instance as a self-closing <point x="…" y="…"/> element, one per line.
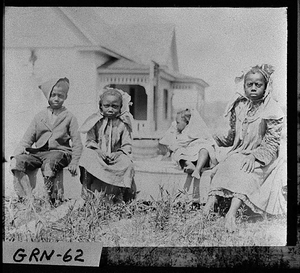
<point x="47" y="86"/>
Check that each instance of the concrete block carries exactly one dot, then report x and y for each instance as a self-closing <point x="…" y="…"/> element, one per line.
<point x="148" y="183"/>
<point x="70" y="185"/>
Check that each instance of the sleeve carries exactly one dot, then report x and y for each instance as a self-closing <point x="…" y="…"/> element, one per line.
<point x="76" y="141"/>
<point x="92" y="137"/>
<point x="268" y="149"/>
<point x="28" y="139"/>
<point x="126" y="141"/>
<point x="225" y="138"/>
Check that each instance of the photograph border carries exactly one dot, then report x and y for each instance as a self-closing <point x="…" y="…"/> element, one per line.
<point x="128" y="258"/>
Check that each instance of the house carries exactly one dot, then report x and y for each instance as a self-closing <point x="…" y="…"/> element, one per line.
<point x="44" y="42"/>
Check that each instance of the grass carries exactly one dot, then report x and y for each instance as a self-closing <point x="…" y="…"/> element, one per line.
<point x="168" y="221"/>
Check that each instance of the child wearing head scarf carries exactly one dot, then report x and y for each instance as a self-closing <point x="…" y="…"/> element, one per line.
<point x="54" y="132"/>
<point x="246" y="173"/>
<point x="191" y="142"/>
<point x="106" y="163"/>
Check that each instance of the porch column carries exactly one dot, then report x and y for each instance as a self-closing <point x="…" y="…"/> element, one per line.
<point x="150" y="114"/>
<point x="150" y="99"/>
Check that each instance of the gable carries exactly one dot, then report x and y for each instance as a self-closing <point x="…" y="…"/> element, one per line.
<point x="98" y="31"/>
<point x="39" y="27"/>
<point x="153" y="42"/>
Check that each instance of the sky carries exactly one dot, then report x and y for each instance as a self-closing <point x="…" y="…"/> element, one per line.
<point x="216" y="44"/>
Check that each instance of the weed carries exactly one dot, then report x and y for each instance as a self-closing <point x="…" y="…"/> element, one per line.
<point x="168" y="221"/>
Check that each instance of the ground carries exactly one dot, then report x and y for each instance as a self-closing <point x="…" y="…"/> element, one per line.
<point x="162" y="222"/>
<point x="169" y="221"/>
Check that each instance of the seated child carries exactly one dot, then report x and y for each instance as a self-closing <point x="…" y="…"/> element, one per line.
<point x="190" y="141"/>
<point x="106" y="163"/>
<point x="51" y="131"/>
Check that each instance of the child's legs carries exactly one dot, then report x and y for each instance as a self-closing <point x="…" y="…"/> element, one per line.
<point x="187" y="165"/>
<point x="86" y="178"/>
<point x="53" y="162"/>
<point x="203" y="157"/>
<point x="20" y="166"/>
<point x="230" y="218"/>
<point x="25" y="162"/>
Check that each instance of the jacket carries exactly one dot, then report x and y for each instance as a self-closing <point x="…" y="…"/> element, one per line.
<point x="58" y="136"/>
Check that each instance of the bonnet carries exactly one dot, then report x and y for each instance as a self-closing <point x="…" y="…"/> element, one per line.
<point x="125" y="115"/>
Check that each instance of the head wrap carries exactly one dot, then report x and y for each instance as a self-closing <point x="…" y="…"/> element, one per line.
<point x="125" y="115"/>
<point x="47" y="86"/>
<point x="265" y="69"/>
<point x="270" y="110"/>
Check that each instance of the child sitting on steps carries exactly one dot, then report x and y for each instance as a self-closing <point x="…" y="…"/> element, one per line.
<point x="54" y="131"/>
<point x="190" y="141"/>
<point x="106" y="164"/>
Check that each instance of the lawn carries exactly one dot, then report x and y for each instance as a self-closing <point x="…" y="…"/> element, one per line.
<point x="169" y="221"/>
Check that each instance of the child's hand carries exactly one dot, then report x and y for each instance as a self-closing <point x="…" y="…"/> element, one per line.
<point x="248" y="164"/>
<point x="115" y="155"/>
<point x="73" y="169"/>
<point x="101" y="154"/>
<point x="173" y="147"/>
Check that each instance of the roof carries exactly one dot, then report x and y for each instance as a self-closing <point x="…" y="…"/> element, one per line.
<point x="98" y="31"/>
<point x="39" y="27"/>
<point x="153" y="42"/>
<point x="125" y="66"/>
<point x="122" y="64"/>
<point x="132" y="47"/>
<point x="179" y="77"/>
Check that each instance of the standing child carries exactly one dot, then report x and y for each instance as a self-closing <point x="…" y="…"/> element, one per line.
<point x="190" y="141"/>
<point x="51" y="131"/>
<point x="106" y="163"/>
<point x="248" y="172"/>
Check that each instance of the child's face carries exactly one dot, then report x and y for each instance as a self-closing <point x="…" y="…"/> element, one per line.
<point x="57" y="97"/>
<point x="180" y="123"/>
<point x="255" y="86"/>
<point x="110" y="106"/>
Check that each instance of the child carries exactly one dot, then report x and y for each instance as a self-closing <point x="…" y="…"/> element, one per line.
<point x="51" y="131"/>
<point x="253" y="139"/>
<point x="106" y="163"/>
<point x="190" y="141"/>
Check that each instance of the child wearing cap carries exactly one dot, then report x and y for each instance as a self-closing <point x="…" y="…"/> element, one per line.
<point x="51" y="130"/>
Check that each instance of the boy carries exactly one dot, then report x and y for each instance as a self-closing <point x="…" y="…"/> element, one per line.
<point x="51" y="131"/>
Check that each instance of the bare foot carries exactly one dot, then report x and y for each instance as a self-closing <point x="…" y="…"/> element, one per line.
<point x="196" y="173"/>
<point x="230" y="224"/>
<point x="189" y="168"/>
<point x="206" y="210"/>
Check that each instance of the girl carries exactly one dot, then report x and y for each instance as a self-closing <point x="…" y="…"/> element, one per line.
<point x="106" y="163"/>
<point x="190" y="141"/>
<point x="243" y="174"/>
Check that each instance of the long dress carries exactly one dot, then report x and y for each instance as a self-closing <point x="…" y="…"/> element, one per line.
<point x="255" y="128"/>
<point x="109" y="135"/>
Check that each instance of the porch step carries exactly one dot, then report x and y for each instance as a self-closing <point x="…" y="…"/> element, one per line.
<point x="150" y="175"/>
<point x="70" y="184"/>
<point x="144" y="148"/>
